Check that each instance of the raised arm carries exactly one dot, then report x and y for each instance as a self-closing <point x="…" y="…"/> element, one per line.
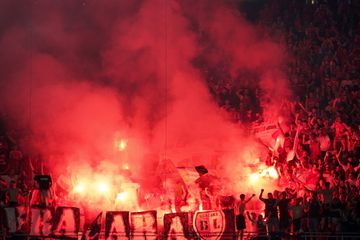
<point x="303" y="108"/>
<point x="339" y="153"/>
<point x="250" y="218"/>
<point x="260" y="196"/>
<point x="326" y="156"/>
<point x="296" y="139"/>
<point x="248" y="200"/>
<point x="338" y="159"/>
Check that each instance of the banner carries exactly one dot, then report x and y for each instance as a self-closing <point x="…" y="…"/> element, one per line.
<point x="66" y="222"/>
<point x="229" y="232"/>
<point x="144" y="225"/>
<point x="177" y="226"/>
<point x="214" y="225"/>
<point x="16" y="219"/>
<point x="188" y="174"/>
<point x="117" y="225"/>
<point x="40" y="221"/>
<point x="92" y="232"/>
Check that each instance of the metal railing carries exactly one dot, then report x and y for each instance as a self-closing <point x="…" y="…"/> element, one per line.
<point x="193" y="235"/>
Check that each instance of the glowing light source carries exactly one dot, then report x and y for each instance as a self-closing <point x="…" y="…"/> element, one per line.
<point x="102" y="187"/>
<point x="254" y="177"/>
<point x="122" y="145"/>
<point x="80" y="188"/>
<point x="269" y="172"/>
<point x="121" y="197"/>
<point x="104" y="190"/>
<point x="273" y="173"/>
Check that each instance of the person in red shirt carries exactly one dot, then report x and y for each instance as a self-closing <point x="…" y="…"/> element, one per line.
<point x="314" y="147"/>
<point x="341" y="133"/>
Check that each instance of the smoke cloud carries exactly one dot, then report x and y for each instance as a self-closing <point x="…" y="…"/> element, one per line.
<point x="85" y="75"/>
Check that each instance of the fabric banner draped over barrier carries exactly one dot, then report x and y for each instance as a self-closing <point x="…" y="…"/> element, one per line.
<point x="117" y="225"/>
<point x="177" y="226"/>
<point x="65" y="222"/>
<point x="213" y="225"/>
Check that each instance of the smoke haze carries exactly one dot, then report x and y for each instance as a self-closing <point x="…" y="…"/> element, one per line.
<point x="83" y="75"/>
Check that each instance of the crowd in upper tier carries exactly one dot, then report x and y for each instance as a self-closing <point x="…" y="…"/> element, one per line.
<point x="323" y="123"/>
<point x="323" y="40"/>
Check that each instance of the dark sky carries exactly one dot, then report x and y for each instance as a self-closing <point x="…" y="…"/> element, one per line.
<point x="251" y="8"/>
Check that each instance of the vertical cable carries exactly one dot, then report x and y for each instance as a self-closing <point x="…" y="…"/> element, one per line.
<point x="31" y="69"/>
<point x="166" y="74"/>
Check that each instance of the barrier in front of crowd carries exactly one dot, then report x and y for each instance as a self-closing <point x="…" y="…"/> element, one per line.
<point x="64" y="222"/>
<point x="177" y="236"/>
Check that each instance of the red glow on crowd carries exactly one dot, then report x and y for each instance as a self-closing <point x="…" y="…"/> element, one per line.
<point x="263" y="176"/>
<point x="115" y="108"/>
<point x="174" y="109"/>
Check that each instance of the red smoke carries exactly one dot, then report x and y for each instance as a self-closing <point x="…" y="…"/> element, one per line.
<point x="85" y="75"/>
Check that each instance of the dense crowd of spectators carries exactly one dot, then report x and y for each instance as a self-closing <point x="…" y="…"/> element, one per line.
<point x="322" y="139"/>
<point x="321" y="177"/>
<point x="11" y="158"/>
<point x="322" y="136"/>
<point x="318" y="158"/>
<point x="322" y="40"/>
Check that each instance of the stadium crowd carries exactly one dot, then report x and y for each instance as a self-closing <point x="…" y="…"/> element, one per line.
<point x="323" y="39"/>
<point x="323" y="137"/>
<point x="323" y="125"/>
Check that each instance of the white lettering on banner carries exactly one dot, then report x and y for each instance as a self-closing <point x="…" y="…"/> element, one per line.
<point x="21" y="218"/>
<point x="16" y="218"/>
<point x="40" y="223"/>
<point x="176" y="229"/>
<point x="209" y="225"/>
<point x="144" y="226"/>
<point x="11" y="219"/>
<point x="117" y="229"/>
<point x="66" y="225"/>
